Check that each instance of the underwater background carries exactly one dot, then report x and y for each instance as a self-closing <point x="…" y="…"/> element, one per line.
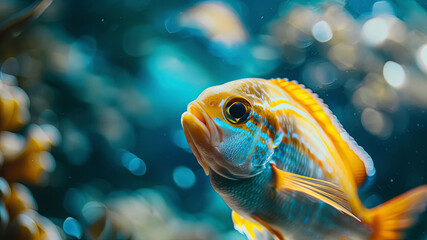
<point x="92" y="92"/>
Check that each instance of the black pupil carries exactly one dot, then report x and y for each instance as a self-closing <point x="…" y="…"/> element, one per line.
<point x="237" y="110"/>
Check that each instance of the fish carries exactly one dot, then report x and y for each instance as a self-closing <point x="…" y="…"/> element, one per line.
<point x="286" y="167"/>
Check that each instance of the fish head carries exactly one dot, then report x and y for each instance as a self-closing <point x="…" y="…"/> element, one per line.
<point x="230" y="129"/>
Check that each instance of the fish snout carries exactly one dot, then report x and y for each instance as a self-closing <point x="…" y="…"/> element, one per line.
<point x="195" y="122"/>
<point x="198" y="128"/>
<point x="214" y="132"/>
<point x="195" y="109"/>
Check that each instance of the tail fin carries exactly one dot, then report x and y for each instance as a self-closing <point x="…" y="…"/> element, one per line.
<point x="392" y="218"/>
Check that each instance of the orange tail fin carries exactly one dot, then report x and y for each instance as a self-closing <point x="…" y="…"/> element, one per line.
<point x="391" y="219"/>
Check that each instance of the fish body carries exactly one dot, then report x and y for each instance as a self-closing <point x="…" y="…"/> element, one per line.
<point x="293" y="215"/>
<point x="283" y="164"/>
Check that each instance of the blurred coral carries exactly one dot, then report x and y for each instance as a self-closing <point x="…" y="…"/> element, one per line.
<point x="23" y="160"/>
<point x="146" y="214"/>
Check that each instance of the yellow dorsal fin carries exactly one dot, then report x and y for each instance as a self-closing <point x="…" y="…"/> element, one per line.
<point x="244" y="226"/>
<point x="322" y="190"/>
<point x="359" y="162"/>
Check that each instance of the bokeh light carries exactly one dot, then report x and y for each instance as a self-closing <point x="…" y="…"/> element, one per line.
<point x="394" y="74"/>
<point x="422" y="57"/>
<point x="184" y="177"/>
<point x="91" y="96"/>
<point x="322" y="31"/>
<point x="375" y="31"/>
<point x="72" y="227"/>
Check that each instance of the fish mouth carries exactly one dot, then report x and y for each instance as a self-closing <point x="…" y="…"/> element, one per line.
<point x="200" y="130"/>
<point x="204" y="137"/>
<point x="198" y="117"/>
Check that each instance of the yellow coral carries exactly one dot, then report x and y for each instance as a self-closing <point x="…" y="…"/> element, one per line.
<point x="22" y="160"/>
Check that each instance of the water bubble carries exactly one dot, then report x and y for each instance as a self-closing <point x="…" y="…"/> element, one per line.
<point x="137" y="167"/>
<point x="382" y="7"/>
<point x="133" y="163"/>
<point x="184" y="177"/>
<point x="322" y="32"/>
<point x="72" y="227"/>
<point x="422" y="57"/>
<point x="375" y="31"/>
<point x="394" y="74"/>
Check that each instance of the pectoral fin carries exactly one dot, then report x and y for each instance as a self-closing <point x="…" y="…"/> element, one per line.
<point x="273" y="231"/>
<point x="253" y="230"/>
<point x="327" y="192"/>
<point x="244" y="226"/>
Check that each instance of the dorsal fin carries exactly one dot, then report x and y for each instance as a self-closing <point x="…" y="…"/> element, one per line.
<point x="359" y="161"/>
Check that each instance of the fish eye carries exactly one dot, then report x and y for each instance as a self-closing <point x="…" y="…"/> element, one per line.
<point x="237" y="110"/>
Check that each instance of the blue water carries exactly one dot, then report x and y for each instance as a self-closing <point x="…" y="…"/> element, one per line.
<point x="114" y="77"/>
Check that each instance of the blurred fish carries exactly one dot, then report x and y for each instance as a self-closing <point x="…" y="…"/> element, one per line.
<point x="217" y="21"/>
<point x="283" y="163"/>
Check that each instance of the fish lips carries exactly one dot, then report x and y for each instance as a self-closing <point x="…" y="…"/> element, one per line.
<point x="204" y="137"/>
<point x="201" y="132"/>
